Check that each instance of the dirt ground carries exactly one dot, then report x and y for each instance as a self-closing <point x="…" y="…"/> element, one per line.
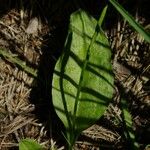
<point x="32" y="35"/>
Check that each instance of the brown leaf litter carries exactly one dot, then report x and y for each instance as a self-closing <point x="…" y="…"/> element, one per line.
<point x="23" y="37"/>
<point x="17" y="120"/>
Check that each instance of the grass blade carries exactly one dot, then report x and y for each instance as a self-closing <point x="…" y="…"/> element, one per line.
<point x="131" y="20"/>
<point x="103" y="14"/>
<point x="128" y="131"/>
<point x="18" y="62"/>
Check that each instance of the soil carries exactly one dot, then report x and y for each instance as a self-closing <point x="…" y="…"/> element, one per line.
<point x="34" y="32"/>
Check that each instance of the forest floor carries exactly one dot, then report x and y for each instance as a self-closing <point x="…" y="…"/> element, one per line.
<point x="30" y="43"/>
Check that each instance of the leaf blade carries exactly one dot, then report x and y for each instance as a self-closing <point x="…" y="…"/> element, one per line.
<point x="83" y="75"/>
<point x="29" y="144"/>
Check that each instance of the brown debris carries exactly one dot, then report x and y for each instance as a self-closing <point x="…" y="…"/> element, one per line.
<point x="22" y="36"/>
<point x="16" y="112"/>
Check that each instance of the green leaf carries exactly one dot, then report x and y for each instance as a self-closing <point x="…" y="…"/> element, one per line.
<point x="29" y="144"/>
<point x="83" y="79"/>
<point x="129" y="133"/>
<point x="17" y="61"/>
<point x="131" y="20"/>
